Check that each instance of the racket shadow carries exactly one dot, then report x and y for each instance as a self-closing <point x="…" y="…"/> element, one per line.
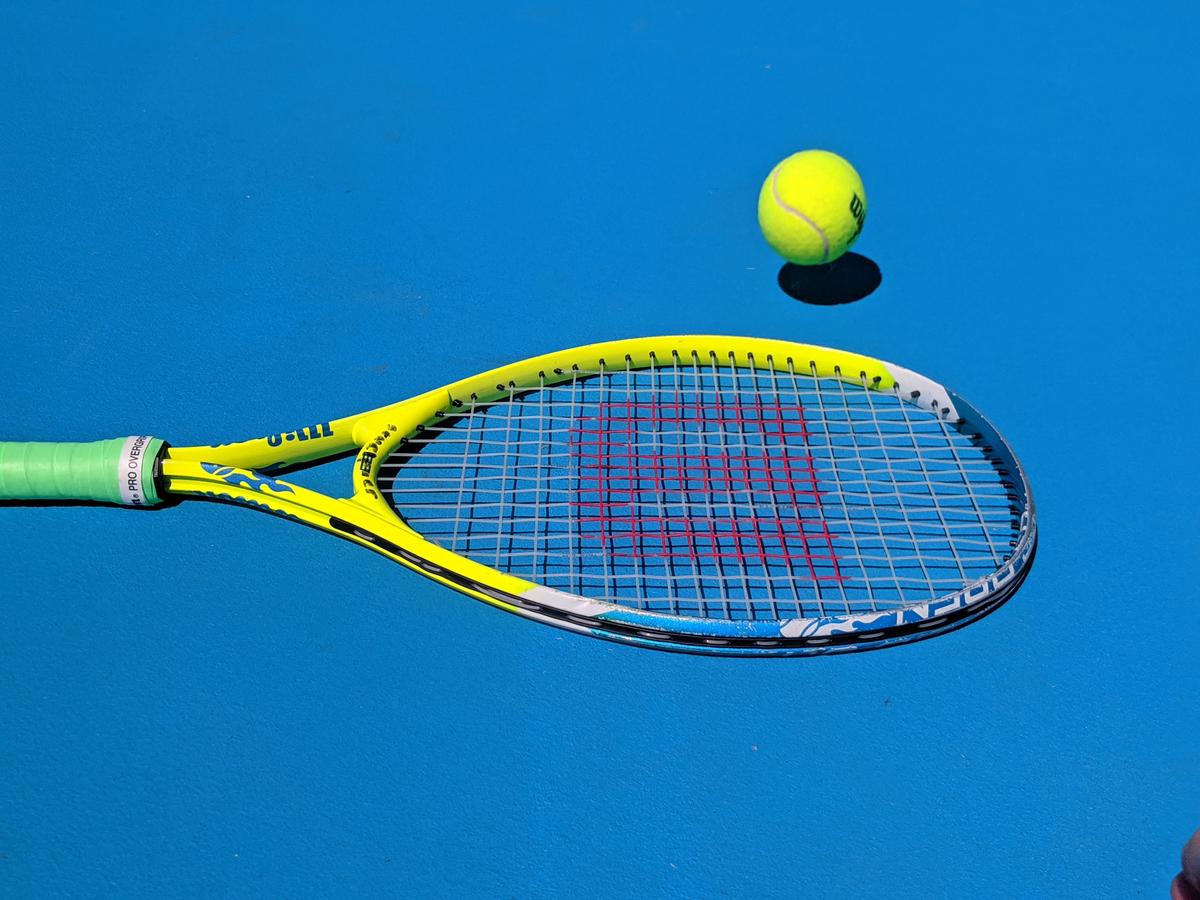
<point x="164" y="503"/>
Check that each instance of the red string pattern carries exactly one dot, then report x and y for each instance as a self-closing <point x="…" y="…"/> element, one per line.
<point x="645" y="494"/>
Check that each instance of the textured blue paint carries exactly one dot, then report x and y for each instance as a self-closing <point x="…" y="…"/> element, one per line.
<point x="218" y="223"/>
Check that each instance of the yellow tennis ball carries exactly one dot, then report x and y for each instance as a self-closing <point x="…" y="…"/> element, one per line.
<point x="812" y="207"/>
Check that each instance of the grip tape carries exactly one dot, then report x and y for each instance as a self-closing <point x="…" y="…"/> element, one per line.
<point x="120" y="470"/>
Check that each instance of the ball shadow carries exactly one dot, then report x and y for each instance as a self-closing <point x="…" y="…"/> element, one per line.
<point x="845" y="280"/>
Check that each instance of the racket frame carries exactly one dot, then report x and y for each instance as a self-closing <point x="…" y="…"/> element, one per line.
<point x="244" y="473"/>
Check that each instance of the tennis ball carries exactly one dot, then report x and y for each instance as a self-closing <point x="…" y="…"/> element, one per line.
<point x="812" y="207"/>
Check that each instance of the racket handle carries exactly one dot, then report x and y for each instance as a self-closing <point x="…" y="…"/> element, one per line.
<point x="121" y="470"/>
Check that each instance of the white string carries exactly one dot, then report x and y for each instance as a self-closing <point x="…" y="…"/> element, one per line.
<point x="530" y="484"/>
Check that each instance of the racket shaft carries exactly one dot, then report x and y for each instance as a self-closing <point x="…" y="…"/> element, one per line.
<point x="119" y="470"/>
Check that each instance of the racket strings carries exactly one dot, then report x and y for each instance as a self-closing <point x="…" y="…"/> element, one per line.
<point x="700" y="489"/>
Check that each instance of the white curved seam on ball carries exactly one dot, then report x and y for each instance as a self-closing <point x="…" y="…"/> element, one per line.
<point x="799" y="215"/>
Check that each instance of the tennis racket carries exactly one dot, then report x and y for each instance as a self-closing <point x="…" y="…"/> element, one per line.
<point x="716" y="495"/>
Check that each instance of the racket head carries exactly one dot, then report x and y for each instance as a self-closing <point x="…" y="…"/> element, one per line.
<point x="722" y="495"/>
<point x="704" y="494"/>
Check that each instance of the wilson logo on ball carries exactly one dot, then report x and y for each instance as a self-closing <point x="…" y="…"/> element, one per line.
<point x="859" y="211"/>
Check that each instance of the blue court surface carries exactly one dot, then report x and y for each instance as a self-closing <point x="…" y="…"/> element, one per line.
<point x="226" y="222"/>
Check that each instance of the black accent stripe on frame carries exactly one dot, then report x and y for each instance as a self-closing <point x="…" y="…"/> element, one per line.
<point x="928" y="627"/>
